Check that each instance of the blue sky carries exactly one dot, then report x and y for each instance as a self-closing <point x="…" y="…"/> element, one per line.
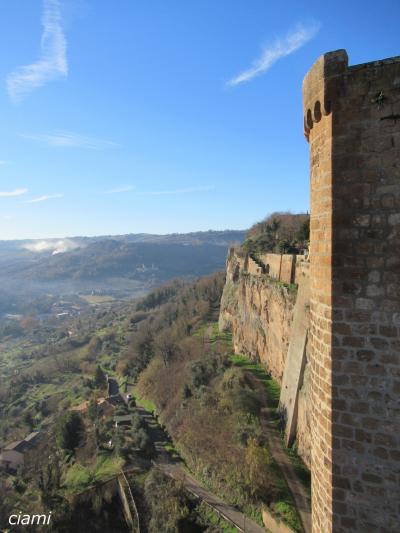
<point x="164" y="115"/>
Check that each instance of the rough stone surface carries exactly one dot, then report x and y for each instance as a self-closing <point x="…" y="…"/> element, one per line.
<point x="259" y="313"/>
<point x="253" y="268"/>
<point x="274" y="262"/>
<point x="288" y="266"/>
<point x="352" y="122"/>
<point x="295" y="361"/>
<point x="304" y="403"/>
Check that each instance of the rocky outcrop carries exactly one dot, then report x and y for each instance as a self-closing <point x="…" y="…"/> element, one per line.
<point x="259" y="313"/>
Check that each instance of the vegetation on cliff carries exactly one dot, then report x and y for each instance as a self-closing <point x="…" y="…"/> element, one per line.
<point x="210" y="403"/>
<point x="279" y="233"/>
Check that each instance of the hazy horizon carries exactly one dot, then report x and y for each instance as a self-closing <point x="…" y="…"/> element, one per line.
<point x="83" y="236"/>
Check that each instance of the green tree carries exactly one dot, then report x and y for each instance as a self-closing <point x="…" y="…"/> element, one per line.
<point x="141" y="440"/>
<point x="28" y="420"/>
<point x="49" y="482"/>
<point x="94" y="348"/>
<point x="99" y="377"/>
<point x="303" y="235"/>
<point x="69" y="431"/>
<point x="93" y="409"/>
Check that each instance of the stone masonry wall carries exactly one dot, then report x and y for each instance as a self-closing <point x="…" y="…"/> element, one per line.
<point x="302" y="268"/>
<point x="274" y="262"/>
<point x="352" y="121"/>
<point x="253" y="268"/>
<point x="288" y="266"/>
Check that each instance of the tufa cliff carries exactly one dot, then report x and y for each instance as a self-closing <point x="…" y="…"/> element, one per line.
<point x="259" y="311"/>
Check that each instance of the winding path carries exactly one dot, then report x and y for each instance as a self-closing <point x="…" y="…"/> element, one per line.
<point x="228" y="512"/>
<point x="299" y="492"/>
<point x="176" y="470"/>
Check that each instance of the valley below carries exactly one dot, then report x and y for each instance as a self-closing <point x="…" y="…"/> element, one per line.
<point x="56" y="277"/>
<point x="121" y="410"/>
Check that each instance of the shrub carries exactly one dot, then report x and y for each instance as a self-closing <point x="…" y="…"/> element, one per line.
<point x="259" y="475"/>
<point x="141" y="440"/>
<point x="168" y="503"/>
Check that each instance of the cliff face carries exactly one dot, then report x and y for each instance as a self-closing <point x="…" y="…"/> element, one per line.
<point x="259" y="313"/>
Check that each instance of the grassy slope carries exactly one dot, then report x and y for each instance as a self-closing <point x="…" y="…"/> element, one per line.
<point x="213" y="425"/>
<point x="284" y="506"/>
<point x="79" y="477"/>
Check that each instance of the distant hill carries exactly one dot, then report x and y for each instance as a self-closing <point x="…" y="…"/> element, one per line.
<point x="105" y="259"/>
<point x="123" y="265"/>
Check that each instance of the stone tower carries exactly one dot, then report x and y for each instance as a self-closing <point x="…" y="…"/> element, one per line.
<point x="352" y="123"/>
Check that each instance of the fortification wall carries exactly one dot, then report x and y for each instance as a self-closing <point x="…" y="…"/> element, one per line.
<point x="352" y="122"/>
<point x="348" y="403"/>
<point x="254" y="268"/>
<point x="273" y="262"/>
<point x="302" y="268"/>
<point x="281" y="267"/>
<point x="288" y="266"/>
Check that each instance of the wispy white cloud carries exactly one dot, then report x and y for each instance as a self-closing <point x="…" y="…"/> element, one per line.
<point x="281" y="47"/>
<point x="3" y="162"/>
<point x="68" y="139"/>
<point x="44" y="198"/>
<point x="15" y="192"/>
<point x="128" y="188"/>
<point x="53" y="60"/>
<point x="186" y="190"/>
<point x="6" y="217"/>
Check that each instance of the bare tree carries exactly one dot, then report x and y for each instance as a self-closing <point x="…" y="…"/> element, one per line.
<point x="166" y="346"/>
